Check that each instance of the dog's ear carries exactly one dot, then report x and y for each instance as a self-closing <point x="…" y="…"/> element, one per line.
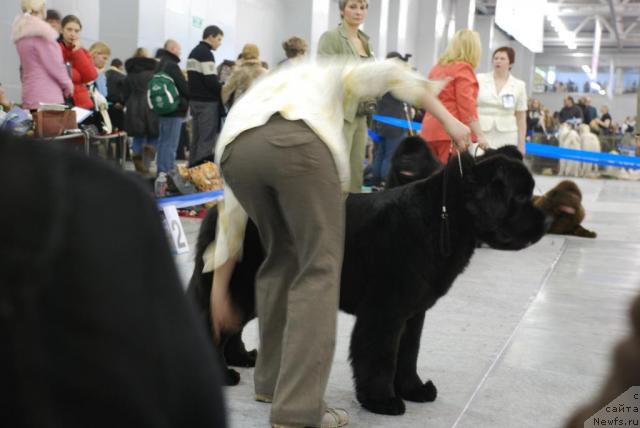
<point x="489" y="187"/>
<point x="490" y="169"/>
<point x="511" y="152"/>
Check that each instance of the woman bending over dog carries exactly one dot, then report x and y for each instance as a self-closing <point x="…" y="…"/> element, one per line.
<point x="286" y="165"/>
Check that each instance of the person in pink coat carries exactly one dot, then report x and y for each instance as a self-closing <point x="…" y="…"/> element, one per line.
<point x="44" y="76"/>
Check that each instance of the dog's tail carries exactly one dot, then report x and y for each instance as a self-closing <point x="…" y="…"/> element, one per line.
<point x="199" y="287"/>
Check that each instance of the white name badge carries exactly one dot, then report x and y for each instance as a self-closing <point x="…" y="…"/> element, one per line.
<point x="508" y="101"/>
<point x="173" y="223"/>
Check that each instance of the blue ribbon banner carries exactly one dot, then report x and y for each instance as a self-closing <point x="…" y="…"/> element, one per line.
<point x="190" y="200"/>
<point x="603" y="159"/>
<point x="542" y="150"/>
<point x="398" y="123"/>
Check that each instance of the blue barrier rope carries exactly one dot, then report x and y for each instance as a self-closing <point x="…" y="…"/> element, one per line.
<point x="375" y="137"/>
<point x="398" y="123"/>
<point x="190" y="200"/>
<point x="604" y="159"/>
<point x="542" y="150"/>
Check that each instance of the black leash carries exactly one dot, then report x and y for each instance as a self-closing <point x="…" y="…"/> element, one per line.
<point x="445" y="230"/>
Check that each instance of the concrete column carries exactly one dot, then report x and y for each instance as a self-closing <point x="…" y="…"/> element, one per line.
<point x="375" y="26"/>
<point x="10" y="70"/>
<point x="485" y="26"/>
<point x="412" y="43"/>
<point x="403" y="24"/>
<point x="151" y="25"/>
<point x="320" y="21"/>
<point x="525" y="67"/>
<point x="119" y="26"/>
<point x="465" y="12"/>
<point x="619" y="81"/>
<point x="393" y="25"/>
<point x="298" y="20"/>
<point x="612" y="79"/>
<point x="432" y="16"/>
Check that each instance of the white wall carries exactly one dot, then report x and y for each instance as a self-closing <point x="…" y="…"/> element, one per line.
<point x="88" y="11"/>
<point x="262" y="22"/>
<point x="114" y="16"/>
<point x="151" y="22"/>
<point x="299" y="16"/>
<point x="10" y="70"/>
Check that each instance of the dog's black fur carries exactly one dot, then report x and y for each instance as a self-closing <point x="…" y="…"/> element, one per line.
<point x="394" y="269"/>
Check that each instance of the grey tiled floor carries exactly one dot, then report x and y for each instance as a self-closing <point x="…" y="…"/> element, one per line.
<point x="521" y="338"/>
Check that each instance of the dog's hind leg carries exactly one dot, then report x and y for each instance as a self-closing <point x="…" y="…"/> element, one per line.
<point x="407" y="383"/>
<point x="230" y="376"/>
<point x="236" y="354"/>
<point x="374" y="352"/>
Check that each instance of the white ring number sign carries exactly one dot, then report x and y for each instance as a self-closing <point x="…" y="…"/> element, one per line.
<point x="179" y="238"/>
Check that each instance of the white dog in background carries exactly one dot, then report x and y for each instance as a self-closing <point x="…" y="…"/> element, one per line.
<point x="569" y="139"/>
<point x="621" y="173"/>
<point x="590" y="143"/>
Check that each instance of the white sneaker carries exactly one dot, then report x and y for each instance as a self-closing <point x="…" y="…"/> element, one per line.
<point x="333" y="418"/>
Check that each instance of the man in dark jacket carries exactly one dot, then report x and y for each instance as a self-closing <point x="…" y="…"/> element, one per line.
<point x="205" y="95"/>
<point x="115" y="80"/>
<point x="171" y="124"/>
<point x="95" y="330"/>
<point x="590" y="111"/>
<point x="390" y="136"/>
<point x="570" y="111"/>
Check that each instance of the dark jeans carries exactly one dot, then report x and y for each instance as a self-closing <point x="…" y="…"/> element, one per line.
<point x="205" y="130"/>
<point x="382" y="157"/>
<point x="168" y="142"/>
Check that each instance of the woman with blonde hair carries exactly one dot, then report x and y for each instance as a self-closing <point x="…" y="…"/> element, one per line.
<point x="459" y="95"/>
<point x="246" y="71"/>
<point x="100" y="54"/>
<point x="44" y="76"/>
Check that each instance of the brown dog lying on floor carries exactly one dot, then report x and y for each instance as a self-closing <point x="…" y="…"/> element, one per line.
<point x="564" y="204"/>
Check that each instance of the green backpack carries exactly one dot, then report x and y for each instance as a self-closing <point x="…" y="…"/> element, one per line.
<point x="162" y="94"/>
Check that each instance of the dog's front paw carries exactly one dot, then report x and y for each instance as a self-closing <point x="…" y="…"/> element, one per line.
<point x="244" y="359"/>
<point x="390" y="406"/>
<point x="419" y="393"/>
<point x="231" y="377"/>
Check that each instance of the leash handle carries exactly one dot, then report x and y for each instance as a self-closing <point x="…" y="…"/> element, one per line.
<point x="445" y="231"/>
<point x="407" y="116"/>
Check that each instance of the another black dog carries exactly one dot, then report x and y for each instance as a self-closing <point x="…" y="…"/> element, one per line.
<point x="411" y="161"/>
<point x="400" y="258"/>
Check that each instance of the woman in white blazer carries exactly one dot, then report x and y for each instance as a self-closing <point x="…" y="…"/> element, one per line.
<point x="502" y="103"/>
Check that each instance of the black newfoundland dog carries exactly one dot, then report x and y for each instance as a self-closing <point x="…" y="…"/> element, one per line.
<point x="404" y="247"/>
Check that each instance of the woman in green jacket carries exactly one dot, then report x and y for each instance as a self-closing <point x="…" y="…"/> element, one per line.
<point x="347" y="40"/>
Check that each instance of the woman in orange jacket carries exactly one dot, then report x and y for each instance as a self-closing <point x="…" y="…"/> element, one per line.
<point x="459" y="95"/>
<point x="82" y="69"/>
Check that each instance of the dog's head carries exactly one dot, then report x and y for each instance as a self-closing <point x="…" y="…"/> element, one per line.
<point x="412" y="160"/>
<point x="512" y="152"/>
<point x="500" y="202"/>
<point x="564" y="204"/>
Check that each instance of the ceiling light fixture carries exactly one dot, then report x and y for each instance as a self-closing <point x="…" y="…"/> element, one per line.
<point x="568" y="37"/>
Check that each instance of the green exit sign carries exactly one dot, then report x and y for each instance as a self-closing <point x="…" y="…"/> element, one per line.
<point x="197" y="22"/>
